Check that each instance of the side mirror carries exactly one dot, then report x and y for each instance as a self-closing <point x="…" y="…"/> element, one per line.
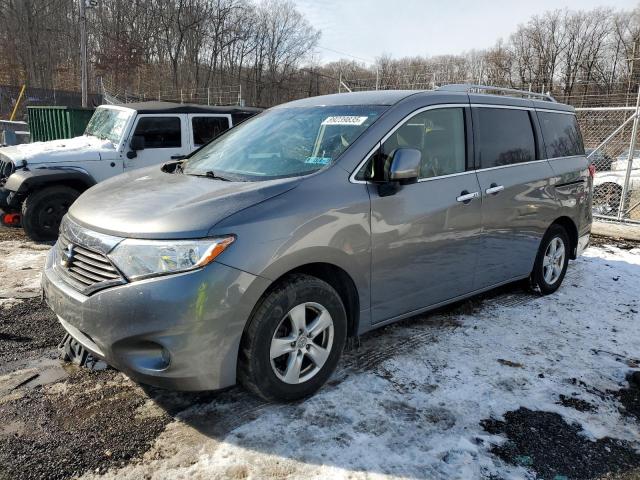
<point x="136" y="143"/>
<point x="404" y="170"/>
<point x="405" y="166"/>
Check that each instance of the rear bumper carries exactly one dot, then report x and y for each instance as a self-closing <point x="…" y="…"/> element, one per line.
<point x="178" y="332"/>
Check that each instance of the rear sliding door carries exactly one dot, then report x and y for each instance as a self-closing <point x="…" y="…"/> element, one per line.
<point x="517" y="201"/>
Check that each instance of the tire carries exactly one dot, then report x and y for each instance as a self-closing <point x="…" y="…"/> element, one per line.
<point x="305" y="299"/>
<point x="544" y="276"/>
<point x="42" y="211"/>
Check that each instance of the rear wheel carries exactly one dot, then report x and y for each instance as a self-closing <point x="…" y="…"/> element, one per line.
<point x="42" y="211"/>
<point x="552" y="260"/>
<point x="294" y="339"/>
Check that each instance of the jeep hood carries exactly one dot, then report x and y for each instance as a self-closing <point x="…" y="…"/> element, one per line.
<point x="84" y="148"/>
<point x="149" y="203"/>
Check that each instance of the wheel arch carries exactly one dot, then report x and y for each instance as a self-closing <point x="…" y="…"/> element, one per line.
<point x="572" y="230"/>
<point x="25" y="181"/>
<point x="337" y="278"/>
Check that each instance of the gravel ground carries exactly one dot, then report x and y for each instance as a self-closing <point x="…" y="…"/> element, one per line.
<point x="60" y="421"/>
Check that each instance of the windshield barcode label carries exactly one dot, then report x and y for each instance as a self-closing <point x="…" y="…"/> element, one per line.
<point x="344" y="120"/>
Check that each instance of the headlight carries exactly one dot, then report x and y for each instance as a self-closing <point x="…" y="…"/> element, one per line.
<point x="143" y="258"/>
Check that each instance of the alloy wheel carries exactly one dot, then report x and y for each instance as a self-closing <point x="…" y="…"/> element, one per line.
<point x="302" y="343"/>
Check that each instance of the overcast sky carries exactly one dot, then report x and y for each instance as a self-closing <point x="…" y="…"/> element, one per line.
<point x="369" y="28"/>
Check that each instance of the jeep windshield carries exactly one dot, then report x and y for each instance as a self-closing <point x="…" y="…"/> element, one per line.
<point x="283" y="142"/>
<point x="108" y="124"/>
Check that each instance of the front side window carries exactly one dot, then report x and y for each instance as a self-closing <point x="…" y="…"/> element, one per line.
<point x="561" y="134"/>
<point x="504" y="136"/>
<point x="160" y="132"/>
<point x="284" y="142"/>
<point x="206" y="129"/>
<point x="438" y="134"/>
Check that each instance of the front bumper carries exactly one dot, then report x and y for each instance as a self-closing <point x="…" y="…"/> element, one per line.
<point x="178" y="331"/>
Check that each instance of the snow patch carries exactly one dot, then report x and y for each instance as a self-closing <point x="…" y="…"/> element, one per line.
<point x="417" y="414"/>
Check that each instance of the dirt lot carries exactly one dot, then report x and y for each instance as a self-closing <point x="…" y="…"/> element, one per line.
<point x="508" y="385"/>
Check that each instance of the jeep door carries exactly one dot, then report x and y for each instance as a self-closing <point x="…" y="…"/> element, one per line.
<point x="517" y="202"/>
<point x="165" y="136"/>
<point x="425" y="237"/>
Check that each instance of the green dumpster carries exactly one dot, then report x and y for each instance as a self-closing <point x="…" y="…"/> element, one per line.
<point x="52" y="123"/>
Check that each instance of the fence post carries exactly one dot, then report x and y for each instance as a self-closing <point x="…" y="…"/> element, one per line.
<point x="208" y="96"/>
<point x="632" y="149"/>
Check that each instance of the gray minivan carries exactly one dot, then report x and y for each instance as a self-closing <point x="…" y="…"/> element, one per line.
<point x="255" y="259"/>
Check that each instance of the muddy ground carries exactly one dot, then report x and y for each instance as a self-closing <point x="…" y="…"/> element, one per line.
<point x="60" y="421"/>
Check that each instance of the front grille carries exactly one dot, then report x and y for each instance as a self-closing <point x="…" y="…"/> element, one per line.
<point x="6" y="168"/>
<point x="84" y="269"/>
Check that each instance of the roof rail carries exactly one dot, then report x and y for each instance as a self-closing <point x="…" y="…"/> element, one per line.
<point x="470" y="88"/>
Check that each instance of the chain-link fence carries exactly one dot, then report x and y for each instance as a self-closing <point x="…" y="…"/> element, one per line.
<point x="608" y="137"/>
<point x="9" y="95"/>
<point x="222" y="95"/>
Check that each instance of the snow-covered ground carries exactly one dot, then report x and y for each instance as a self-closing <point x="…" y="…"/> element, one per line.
<point x="409" y="401"/>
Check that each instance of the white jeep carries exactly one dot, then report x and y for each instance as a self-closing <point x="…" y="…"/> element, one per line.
<point x="39" y="181"/>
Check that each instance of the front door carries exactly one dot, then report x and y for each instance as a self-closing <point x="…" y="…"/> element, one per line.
<point x="425" y="236"/>
<point x="165" y="136"/>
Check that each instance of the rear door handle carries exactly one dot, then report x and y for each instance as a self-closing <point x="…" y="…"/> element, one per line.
<point x="494" y="188"/>
<point x="466" y="197"/>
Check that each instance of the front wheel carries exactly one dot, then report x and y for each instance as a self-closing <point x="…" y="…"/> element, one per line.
<point x="552" y="260"/>
<point x="294" y="339"/>
<point x="42" y="211"/>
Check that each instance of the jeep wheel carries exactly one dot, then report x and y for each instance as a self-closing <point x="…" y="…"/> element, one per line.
<point x="294" y="339"/>
<point x="42" y="211"/>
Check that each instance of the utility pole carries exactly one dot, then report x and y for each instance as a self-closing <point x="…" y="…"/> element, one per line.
<point x="83" y="52"/>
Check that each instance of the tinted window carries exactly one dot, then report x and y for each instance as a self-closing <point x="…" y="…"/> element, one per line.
<point x="561" y="134"/>
<point x="160" y="132"/>
<point x="438" y="134"/>
<point x="504" y="136"/>
<point x="206" y="129"/>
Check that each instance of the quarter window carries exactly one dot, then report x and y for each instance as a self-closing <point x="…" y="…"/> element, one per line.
<point x="160" y="132"/>
<point x="206" y="129"/>
<point x="561" y="134"/>
<point x="503" y="136"/>
<point x="439" y="135"/>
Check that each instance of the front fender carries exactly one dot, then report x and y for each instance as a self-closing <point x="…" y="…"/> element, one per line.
<point x="23" y="181"/>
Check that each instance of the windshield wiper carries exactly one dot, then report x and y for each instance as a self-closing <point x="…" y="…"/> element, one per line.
<point x="210" y="174"/>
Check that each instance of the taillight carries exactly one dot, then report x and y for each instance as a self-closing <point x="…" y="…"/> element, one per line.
<point x="592" y="170"/>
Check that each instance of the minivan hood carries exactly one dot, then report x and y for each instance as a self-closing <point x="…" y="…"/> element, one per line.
<point x="58" y="151"/>
<point x="149" y="203"/>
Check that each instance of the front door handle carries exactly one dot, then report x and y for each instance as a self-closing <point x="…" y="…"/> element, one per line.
<point x="494" y="188"/>
<point x="465" y="197"/>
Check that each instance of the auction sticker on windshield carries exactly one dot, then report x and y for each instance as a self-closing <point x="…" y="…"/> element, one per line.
<point x="345" y="120"/>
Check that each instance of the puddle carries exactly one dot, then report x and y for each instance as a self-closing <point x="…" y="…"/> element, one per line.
<point x="46" y="371"/>
<point x="49" y="371"/>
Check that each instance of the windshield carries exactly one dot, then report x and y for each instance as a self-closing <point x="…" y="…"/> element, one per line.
<point x="108" y="124"/>
<point x="284" y="142"/>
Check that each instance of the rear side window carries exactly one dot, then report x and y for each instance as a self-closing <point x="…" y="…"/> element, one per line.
<point x="160" y="132"/>
<point x="206" y="129"/>
<point x="504" y="136"/>
<point x="561" y="134"/>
